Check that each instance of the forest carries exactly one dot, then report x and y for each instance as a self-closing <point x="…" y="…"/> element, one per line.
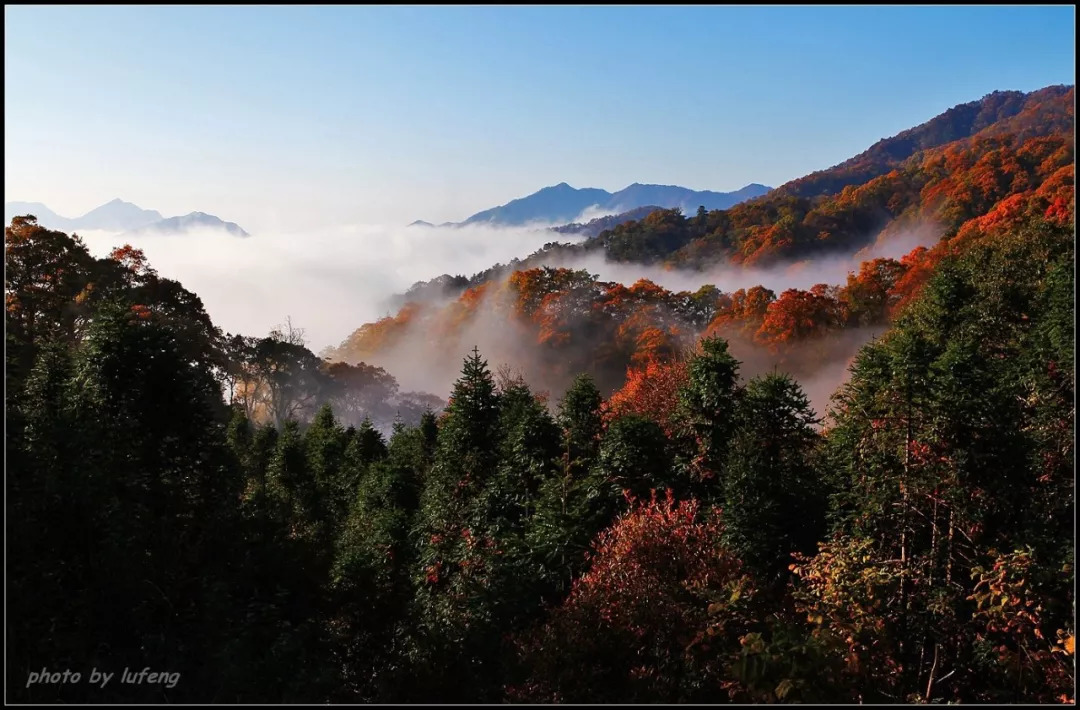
<point x="642" y="514"/>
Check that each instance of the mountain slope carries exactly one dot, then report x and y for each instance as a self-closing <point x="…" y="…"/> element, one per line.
<point x="990" y="113"/>
<point x="1028" y="153"/>
<point x="45" y="216"/>
<point x="594" y="227"/>
<point x="1019" y="168"/>
<point x="935" y="189"/>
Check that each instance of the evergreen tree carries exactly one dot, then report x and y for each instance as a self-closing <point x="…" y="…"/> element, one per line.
<point x="636" y="456"/>
<point x="949" y="485"/>
<point x="144" y="487"/>
<point x="465" y="460"/>
<point x="773" y="503"/>
<point x="581" y="421"/>
<point x="576" y="502"/>
<point x="370" y="586"/>
<point x="708" y="403"/>
<point x="324" y="443"/>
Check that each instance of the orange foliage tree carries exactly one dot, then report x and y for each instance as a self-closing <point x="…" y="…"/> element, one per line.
<point x="798" y="315"/>
<point x="651" y="391"/>
<point x="868" y="297"/>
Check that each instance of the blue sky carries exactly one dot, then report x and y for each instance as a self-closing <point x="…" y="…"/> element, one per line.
<point x="281" y="117"/>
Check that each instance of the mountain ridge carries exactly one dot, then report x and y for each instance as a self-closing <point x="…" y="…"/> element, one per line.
<point x="118" y="216"/>
<point x="995" y="113"/>
<point x="192" y="220"/>
<point x="562" y="204"/>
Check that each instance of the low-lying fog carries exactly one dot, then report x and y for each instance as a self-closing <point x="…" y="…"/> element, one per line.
<point x="330" y="282"/>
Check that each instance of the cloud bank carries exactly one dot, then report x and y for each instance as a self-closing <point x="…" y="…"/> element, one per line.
<point x="328" y="281"/>
<point x="331" y="281"/>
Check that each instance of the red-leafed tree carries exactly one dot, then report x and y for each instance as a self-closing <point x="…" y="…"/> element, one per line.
<point x="622" y="633"/>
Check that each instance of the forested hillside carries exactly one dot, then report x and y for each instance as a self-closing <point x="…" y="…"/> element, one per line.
<point x="634" y="510"/>
<point x="1022" y="163"/>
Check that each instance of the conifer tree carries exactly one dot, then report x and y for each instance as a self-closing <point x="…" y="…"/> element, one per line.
<point x="708" y="403"/>
<point x="773" y="503"/>
<point x="465" y="460"/>
<point x="582" y="423"/>
<point x="324" y="444"/>
<point x="636" y="456"/>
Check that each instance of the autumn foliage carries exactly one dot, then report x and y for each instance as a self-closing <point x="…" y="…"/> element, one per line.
<point x="651" y="391"/>
<point x="670" y="525"/>
<point x="620" y="635"/>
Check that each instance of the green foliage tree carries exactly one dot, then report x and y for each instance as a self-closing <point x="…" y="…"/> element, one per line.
<point x="465" y="461"/>
<point x="577" y="501"/>
<point x="774" y="503"/>
<point x="581" y="420"/>
<point x="943" y="448"/>
<point x="636" y="455"/>
<point x="708" y="403"/>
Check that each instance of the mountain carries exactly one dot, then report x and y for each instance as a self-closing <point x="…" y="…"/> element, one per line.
<point x="559" y="203"/>
<point x="594" y="227"/>
<point x="999" y="113"/>
<point x="114" y="216"/>
<point x="670" y="196"/>
<point x="1006" y="161"/>
<point x="45" y="216"/>
<point x="447" y="286"/>
<point x="194" y="220"/>
<point x="119" y="216"/>
<point x="1025" y="154"/>
<point x="563" y="203"/>
<point x="1009" y="151"/>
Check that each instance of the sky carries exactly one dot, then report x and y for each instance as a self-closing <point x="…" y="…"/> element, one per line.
<point x="288" y="117"/>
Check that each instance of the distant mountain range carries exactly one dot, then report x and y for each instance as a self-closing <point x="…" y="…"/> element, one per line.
<point x="120" y="216"/>
<point x="562" y="203"/>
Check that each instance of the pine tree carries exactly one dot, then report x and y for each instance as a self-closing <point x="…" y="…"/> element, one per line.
<point x="370" y="588"/>
<point x="950" y="487"/>
<point x="149" y="468"/>
<point x="291" y="487"/>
